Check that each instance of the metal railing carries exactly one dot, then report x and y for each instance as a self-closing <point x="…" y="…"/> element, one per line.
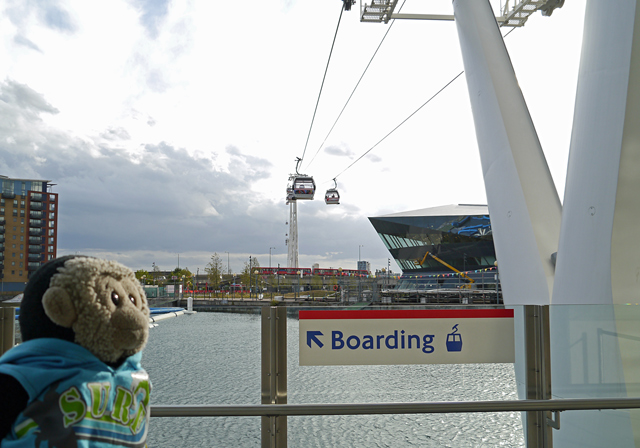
<point x="438" y="407"/>
<point x="541" y="412"/>
<point x="7" y="327"/>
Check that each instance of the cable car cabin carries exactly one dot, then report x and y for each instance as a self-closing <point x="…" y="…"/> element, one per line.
<point x="332" y="196"/>
<point x="303" y="187"/>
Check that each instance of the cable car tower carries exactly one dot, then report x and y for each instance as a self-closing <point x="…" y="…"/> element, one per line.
<point x="301" y="187"/>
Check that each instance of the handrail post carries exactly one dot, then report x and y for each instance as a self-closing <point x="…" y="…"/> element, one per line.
<point x="7" y="328"/>
<point x="274" y="374"/>
<point x="538" y="374"/>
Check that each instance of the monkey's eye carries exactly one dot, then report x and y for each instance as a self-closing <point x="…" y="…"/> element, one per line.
<point x="115" y="298"/>
<point x="133" y="299"/>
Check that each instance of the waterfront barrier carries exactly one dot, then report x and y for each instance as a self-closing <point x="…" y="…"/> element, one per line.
<point x="437" y="407"/>
<point x="540" y="407"/>
<point x="158" y="314"/>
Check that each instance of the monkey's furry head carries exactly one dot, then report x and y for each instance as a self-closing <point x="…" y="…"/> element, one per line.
<point x="95" y="303"/>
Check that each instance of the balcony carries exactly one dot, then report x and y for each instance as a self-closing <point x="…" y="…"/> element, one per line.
<point x="34" y="257"/>
<point x="37" y="197"/>
<point x="35" y="223"/>
<point x="2" y="221"/>
<point x="36" y="215"/>
<point x="2" y="230"/>
<point x="35" y="249"/>
<point x="8" y="195"/>
<point x="1" y="238"/>
<point x="36" y="231"/>
<point x="35" y="240"/>
<point x="33" y="266"/>
<point x="37" y="206"/>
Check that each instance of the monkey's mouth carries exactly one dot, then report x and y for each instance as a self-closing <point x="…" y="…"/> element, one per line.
<point x="130" y="338"/>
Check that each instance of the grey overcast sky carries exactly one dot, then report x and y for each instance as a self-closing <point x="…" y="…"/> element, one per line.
<point x="170" y="126"/>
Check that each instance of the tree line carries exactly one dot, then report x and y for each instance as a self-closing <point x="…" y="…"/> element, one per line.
<point x="216" y="274"/>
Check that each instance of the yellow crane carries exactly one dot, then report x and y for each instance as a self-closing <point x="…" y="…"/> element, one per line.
<point x="429" y="254"/>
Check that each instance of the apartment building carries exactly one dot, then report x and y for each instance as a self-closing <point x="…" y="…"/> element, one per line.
<point x="28" y="229"/>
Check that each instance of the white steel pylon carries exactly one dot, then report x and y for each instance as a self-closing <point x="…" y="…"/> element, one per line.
<point x="523" y="201"/>
<point x="292" y="260"/>
<point x="597" y="241"/>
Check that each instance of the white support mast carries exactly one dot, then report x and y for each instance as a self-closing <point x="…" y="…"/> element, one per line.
<point x="523" y="202"/>
<point x="594" y="344"/>
<point x="292" y="242"/>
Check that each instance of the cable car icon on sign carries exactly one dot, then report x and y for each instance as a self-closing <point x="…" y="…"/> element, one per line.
<point x="454" y="340"/>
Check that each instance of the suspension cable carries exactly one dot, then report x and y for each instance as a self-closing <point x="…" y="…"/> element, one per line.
<point x="402" y="122"/>
<point x="406" y="119"/>
<point x="323" y="79"/>
<point x="356" y="87"/>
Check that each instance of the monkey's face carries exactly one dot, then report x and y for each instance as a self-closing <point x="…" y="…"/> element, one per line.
<point x="108" y="314"/>
<point x="123" y="319"/>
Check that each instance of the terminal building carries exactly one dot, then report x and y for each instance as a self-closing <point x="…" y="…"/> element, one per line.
<point x="441" y="246"/>
<point x="28" y="229"/>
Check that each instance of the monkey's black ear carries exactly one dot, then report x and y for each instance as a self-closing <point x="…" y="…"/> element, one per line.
<point x="34" y="322"/>
<point x="59" y="307"/>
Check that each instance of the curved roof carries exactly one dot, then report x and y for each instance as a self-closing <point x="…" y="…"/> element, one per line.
<point x="443" y="210"/>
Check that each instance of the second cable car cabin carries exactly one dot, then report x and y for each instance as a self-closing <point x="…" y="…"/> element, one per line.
<point x="303" y="187"/>
<point x="332" y="196"/>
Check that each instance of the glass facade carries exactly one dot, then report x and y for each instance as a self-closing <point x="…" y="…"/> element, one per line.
<point x="20" y="186"/>
<point x="459" y="236"/>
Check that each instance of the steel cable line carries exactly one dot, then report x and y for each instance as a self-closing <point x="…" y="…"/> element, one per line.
<point x="323" y="78"/>
<point x="406" y="119"/>
<point x="355" y="88"/>
<point x="401" y="123"/>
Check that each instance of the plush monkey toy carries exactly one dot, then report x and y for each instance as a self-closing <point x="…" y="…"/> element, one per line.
<point x="76" y="379"/>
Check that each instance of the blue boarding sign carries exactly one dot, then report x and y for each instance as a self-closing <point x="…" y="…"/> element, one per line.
<point x="388" y="337"/>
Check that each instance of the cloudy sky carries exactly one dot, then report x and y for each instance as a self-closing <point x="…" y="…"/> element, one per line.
<point x="170" y="126"/>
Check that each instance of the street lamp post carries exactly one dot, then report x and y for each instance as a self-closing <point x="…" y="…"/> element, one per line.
<point x="256" y="273"/>
<point x="249" y="277"/>
<point x="497" y="277"/>
<point x="388" y="267"/>
<point x="229" y="273"/>
<point x="358" y="274"/>
<point x="271" y="279"/>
